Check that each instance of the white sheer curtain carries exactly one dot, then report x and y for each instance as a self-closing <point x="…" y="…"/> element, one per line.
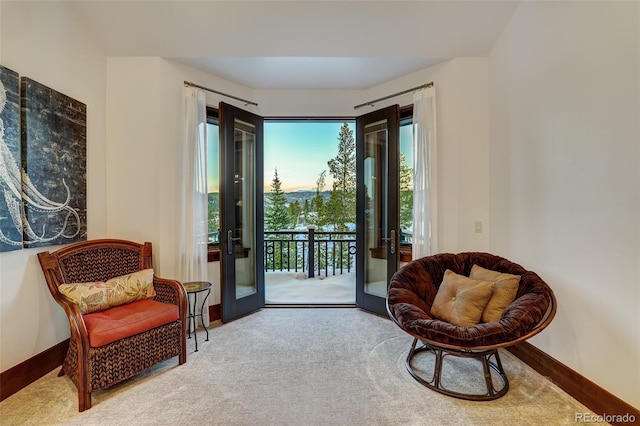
<point x="425" y="196"/>
<point x="193" y="227"/>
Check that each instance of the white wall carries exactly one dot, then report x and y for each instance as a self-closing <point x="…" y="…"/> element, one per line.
<point x="44" y="42"/>
<point x="565" y="176"/>
<point x="307" y="103"/>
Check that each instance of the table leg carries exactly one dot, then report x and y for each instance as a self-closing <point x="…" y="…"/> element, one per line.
<point x="189" y="316"/>
<point x="204" y="301"/>
<point x="192" y="320"/>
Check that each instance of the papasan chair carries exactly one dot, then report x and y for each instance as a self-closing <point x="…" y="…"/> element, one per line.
<point x="455" y="308"/>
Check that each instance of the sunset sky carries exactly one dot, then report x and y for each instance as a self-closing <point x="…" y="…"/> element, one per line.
<point x="299" y="150"/>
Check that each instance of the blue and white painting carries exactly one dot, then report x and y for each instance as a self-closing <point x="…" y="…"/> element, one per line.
<point x="54" y="166"/>
<point x="10" y="192"/>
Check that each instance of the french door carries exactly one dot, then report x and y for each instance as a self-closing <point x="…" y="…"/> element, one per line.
<point x="241" y="212"/>
<point x="377" y="206"/>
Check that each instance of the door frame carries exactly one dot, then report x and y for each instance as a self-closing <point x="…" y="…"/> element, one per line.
<point x="233" y="307"/>
<point x="391" y="249"/>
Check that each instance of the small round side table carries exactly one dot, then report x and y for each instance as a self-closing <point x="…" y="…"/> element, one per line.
<point x="193" y="288"/>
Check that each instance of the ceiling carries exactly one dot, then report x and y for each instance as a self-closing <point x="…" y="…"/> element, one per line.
<point x="299" y="44"/>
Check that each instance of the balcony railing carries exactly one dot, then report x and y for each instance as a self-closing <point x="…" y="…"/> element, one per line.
<point x="313" y="252"/>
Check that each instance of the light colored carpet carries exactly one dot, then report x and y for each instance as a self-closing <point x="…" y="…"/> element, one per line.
<point x="291" y="366"/>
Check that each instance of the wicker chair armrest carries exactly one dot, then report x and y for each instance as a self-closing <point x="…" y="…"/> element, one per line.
<point x="170" y="291"/>
<point x="77" y="325"/>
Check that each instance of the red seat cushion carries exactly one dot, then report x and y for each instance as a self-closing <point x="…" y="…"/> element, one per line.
<point x="128" y="320"/>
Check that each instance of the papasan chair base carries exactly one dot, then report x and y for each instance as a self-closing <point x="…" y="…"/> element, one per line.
<point x="410" y="296"/>
<point x="436" y="384"/>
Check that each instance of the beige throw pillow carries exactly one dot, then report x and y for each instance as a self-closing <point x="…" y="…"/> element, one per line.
<point x="461" y="300"/>
<point x="504" y="292"/>
<point x="131" y="287"/>
<point x="90" y="297"/>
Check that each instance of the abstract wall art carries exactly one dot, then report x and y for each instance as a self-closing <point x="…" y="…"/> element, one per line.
<point x="54" y="177"/>
<point x="10" y="192"/>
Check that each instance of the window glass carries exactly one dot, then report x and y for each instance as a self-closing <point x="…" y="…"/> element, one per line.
<point x="406" y="181"/>
<point x="213" y="176"/>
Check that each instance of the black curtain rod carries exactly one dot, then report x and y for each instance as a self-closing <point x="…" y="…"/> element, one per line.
<point x="188" y="83"/>
<point x="371" y="103"/>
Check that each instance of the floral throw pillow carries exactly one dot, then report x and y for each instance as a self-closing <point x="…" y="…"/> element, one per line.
<point x="90" y="297"/>
<point x="131" y="287"/>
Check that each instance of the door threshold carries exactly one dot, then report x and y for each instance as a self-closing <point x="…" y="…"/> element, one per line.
<point x="310" y="305"/>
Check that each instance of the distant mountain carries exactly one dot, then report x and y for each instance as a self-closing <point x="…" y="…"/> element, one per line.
<point x="300" y="196"/>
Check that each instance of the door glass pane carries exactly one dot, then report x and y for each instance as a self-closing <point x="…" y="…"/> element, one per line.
<point x="375" y="181"/>
<point x="406" y="182"/>
<point x="244" y="192"/>
<point x="213" y="181"/>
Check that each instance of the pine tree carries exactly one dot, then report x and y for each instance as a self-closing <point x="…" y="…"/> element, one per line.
<point x="317" y="203"/>
<point x="213" y="217"/>
<point x="305" y="210"/>
<point x="295" y="210"/>
<point x="406" y="193"/>
<point x="342" y="202"/>
<point x="276" y="217"/>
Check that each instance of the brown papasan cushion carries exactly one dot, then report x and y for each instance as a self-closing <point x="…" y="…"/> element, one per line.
<point x="414" y="287"/>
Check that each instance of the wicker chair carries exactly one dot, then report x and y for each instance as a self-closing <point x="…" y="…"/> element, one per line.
<point x="96" y="367"/>
<point x="411" y="294"/>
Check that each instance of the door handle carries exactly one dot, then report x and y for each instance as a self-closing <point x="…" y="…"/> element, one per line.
<point x="230" y="241"/>
<point x="392" y="241"/>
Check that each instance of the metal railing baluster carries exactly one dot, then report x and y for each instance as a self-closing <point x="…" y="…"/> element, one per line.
<point x="309" y="251"/>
